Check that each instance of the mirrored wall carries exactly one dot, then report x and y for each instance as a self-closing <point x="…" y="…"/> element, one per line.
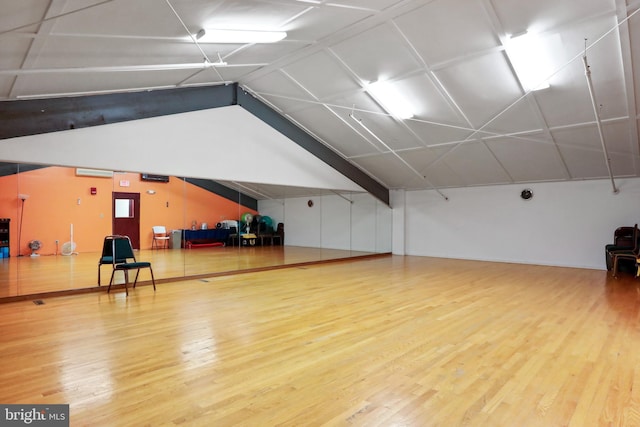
<point x="58" y="217"/>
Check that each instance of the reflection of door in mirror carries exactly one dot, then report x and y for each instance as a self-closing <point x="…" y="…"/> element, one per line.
<point x="126" y="216"/>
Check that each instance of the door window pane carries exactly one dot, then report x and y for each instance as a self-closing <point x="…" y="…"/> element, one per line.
<point x="124" y="208"/>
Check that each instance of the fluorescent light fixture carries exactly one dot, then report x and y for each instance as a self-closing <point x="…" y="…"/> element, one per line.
<point x="390" y="99"/>
<point x="239" y="36"/>
<point x="530" y="61"/>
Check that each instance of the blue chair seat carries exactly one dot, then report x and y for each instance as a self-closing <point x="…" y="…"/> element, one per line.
<point x="133" y="265"/>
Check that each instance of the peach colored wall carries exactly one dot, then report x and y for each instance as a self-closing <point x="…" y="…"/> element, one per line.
<point x="59" y="198"/>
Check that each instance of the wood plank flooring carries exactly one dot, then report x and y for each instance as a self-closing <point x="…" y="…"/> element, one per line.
<point x="387" y="341"/>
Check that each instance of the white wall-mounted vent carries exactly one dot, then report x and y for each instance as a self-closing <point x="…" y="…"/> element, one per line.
<point x="94" y="172"/>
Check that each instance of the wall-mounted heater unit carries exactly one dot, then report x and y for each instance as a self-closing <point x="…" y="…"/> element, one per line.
<point x="94" y="172"/>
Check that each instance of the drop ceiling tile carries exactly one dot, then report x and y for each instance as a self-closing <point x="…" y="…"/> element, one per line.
<point x="475" y="164"/>
<point x="139" y="18"/>
<point x="441" y="31"/>
<point x="5" y="86"/>
<point x="583" y="163"/>
<point x="13" y="49"/>
<point x="529" y="158"/>
<point x="436" y="174"/>
<point x="387" y="168"/>
<point x="516" y="16"/>
<point x="91" y="82"/>
<point x="379" y="53"/>
<point x="427" y="100"/>
<point x="482" y="87"/>
<point x="582" y="149"/>
<point x="363" y="4"/>
<point x="616" y="137"/>
<point x="281" y="92"/>
<point x="342" y="136"/>
<point x="391" y="132"/>
<point x="433" y="133"/>
<point x="567" y="101"/>
<point x="321" y="75"/>
<point x="320" y="22"/>
<point x="18" y="13"/>
<point x="254" y="54"/>
<point x="61" y="52"/>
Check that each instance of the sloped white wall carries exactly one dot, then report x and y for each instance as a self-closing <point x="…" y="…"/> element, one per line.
<point x="564" y="224"/>
<point x="226" y="143"/>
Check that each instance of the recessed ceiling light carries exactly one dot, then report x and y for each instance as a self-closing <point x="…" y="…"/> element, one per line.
<point x="391" y="99"/>
<point x="239" y="36"/>
<point x="530" y="60"/>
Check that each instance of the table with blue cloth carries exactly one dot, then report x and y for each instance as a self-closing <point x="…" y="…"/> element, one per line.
<point x="209" y="237"/>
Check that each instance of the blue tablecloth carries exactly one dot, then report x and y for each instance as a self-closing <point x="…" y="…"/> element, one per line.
<point x="213" y="235"/>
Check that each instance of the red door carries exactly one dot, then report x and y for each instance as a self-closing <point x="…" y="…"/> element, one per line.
<point x="126" y="216"/>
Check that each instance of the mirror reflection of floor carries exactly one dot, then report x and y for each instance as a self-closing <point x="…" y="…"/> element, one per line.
<point x="28" y="275"/>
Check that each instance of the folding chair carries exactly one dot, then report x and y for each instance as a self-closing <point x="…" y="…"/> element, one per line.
<point x="122" y="249"/>
<point x="160" y="237"/>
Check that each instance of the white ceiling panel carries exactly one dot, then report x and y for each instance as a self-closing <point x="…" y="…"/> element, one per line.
<point x="388" y="131"/>
<point x="247" y="14"/>
<point x="392" y="172"/>
<point x="254" y="54"/>
<point x="320" y="21"/>
<point x="94" y="82"/>
<point x="434" y="133"/>
<point x="281" y="92"/>
<point x="529" y="158"/>
<point x="517" y="16"/>
<point x="582" y="150"/>
<point x="343" y="135"/>
<point x="22" y="12"/>
<point x="321" y="75"/>
<point x="483" y="86"/>
<point x="441" y="31"/>
<point x="435" y="173"/>
<point x="474" y="162"/>
<point x="13" y="48"/>
<point x="379" y="53"/>
<point x="428" y="100"/>
<point x="568" y="101"/>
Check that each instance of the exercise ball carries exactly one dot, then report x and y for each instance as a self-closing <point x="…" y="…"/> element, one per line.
<point x="267" y="220"/>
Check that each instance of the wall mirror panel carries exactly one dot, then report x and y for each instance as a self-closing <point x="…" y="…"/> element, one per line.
<point x="58" y="217"/>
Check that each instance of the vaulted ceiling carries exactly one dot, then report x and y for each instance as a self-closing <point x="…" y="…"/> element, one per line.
<point x="473" y="121"/>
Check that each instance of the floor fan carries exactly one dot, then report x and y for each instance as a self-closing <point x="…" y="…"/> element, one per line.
<point x="35" y="245"/>
<point x="69" y="248"/>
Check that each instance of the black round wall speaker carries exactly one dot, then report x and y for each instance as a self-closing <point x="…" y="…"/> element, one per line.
<point x="526" y="194"/>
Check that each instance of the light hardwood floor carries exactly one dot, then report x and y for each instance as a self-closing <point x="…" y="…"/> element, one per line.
<point x="387" y="341"/>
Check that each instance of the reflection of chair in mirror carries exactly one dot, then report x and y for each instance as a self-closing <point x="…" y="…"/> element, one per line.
<point x="122" y="250"/>
<point x="160" y="237"/>
<point x="233" y="236"/>
<point x="107" y="255"/>
<point x="279" y="235"/>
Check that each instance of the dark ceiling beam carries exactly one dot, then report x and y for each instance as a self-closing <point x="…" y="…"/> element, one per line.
<point x="36" y="116"/>
<point x="226" y="192"/>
